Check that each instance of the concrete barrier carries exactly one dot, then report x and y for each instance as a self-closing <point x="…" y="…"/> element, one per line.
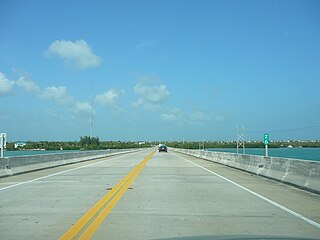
<point x="301" y="173"/>
<point x="21" y="164"/>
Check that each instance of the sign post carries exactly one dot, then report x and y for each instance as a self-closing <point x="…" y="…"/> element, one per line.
<point x="266" y="141"/>
<point x="3" y="142"/>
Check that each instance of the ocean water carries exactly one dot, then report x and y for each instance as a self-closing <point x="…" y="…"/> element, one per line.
<point x="297" y="153"/>
<point x="28" y="152"/>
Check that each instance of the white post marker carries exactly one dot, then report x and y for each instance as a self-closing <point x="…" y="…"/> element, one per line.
<point x="3" y="143"/>
<point x="266" y="141"/>
<point x="266" y="150"/>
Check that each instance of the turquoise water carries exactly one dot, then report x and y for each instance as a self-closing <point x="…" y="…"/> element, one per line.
<point x="27" y="152"/>
<point x="298" y="153"/>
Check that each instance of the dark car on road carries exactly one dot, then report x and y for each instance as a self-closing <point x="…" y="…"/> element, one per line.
<point x="162" y="148"/>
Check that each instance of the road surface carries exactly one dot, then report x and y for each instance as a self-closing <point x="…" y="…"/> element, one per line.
<point x="173" y="197"/>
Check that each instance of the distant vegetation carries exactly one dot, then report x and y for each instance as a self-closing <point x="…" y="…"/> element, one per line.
<point x="85" y="143"/>
<point x="94" y="143"/>
<point x="249" y="144"/>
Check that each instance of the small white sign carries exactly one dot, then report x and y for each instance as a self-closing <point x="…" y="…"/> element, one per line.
<point x="3" y="142"/>
<point x="3" y="138"/>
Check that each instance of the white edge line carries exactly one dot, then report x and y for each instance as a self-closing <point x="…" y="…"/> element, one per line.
<point x="58" y="173"/>
<point x="258" y="195"/>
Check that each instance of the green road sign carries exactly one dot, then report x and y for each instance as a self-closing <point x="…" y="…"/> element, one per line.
<point x="266" y="139"/>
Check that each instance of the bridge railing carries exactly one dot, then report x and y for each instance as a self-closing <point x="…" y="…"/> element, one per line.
<point x="21" y="164"/>
<point x="301" y="173"/>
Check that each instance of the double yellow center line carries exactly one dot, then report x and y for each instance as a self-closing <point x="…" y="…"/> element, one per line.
<point x="96" y="215"/>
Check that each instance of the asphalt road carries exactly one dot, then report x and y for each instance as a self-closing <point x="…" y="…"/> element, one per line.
<point x="174" y="197"/>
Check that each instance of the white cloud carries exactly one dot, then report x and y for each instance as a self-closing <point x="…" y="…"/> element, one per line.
<point x="196" y="117"/>
<point x="57" y="94"/>
<point x="28" y="85"/>
<point x="144" y="45"/>
<point x="108" y="98"/>
<point x="199" y="116"/>
<point x="77" y="53"/>
<point x="150" y="96"/>
<point x="155" y="94"/>
<point x="61" y="97"/>
<point x="220" y="117"/>
<point x="83" y="108"/>
<point x="174" y="115"/>
<point x="138" y="103"/>
<point x="169" y="117"/>
<point x="5" y="84"/>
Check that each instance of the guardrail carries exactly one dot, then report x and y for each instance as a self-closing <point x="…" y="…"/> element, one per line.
<point x="301" y="173"/>
<point x="21" y="164"/>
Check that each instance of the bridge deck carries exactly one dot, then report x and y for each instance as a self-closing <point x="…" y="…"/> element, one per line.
<point x="174" y="197"/>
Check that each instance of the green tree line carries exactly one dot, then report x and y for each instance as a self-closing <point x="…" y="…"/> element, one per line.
<point x="85" y="143"/>
<point x="233" y="144"/>
<point x="94" y="143"/>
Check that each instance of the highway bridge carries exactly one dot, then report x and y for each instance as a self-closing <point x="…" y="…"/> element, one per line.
<point x="151" y="195"/>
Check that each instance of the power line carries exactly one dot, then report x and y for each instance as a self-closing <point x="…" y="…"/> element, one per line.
<point x="286" y="130"/>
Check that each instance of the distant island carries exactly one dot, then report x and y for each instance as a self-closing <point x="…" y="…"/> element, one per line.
<point x="85" y="143"/>
<point x="248" y="144"/>
<point x="94" y="143"/>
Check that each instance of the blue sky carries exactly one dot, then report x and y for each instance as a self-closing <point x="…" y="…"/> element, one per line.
<point x="159" y="70"/>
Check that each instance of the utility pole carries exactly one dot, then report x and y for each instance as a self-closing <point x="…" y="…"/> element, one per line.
<point x="201" y="146"/>
<point x="240" y="139"/>
<point x="92" y="110"/>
